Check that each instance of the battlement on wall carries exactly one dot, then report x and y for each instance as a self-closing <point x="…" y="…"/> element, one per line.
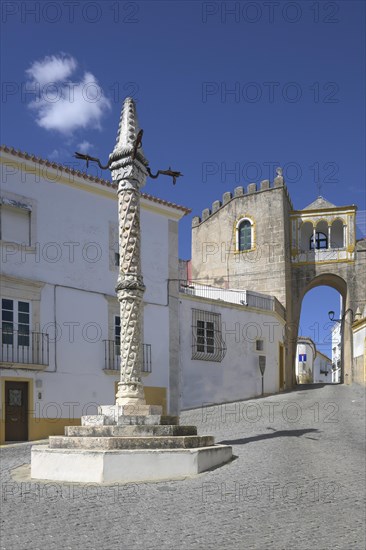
<point x="251" y="189"/>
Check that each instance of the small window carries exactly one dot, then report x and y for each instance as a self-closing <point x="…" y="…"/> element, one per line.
<point x="245" y="235"/>
<point x="259" y="345"/>
<point x="15" y="224"/>
<point x="207" y="342"/>
<point x="116" y="259"/>
<point x="206" y="337"/>
<point x="321" y="241"/>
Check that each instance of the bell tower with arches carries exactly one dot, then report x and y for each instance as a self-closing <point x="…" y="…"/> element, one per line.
<point x="324" y="251"/>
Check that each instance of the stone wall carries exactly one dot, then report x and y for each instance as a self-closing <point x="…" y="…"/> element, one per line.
<point x="215" y="260"/>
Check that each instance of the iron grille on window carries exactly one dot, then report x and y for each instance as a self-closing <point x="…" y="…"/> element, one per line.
<point x="207" y="342"/>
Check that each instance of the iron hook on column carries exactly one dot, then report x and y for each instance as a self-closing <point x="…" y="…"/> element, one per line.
<point x="136" y="145"/>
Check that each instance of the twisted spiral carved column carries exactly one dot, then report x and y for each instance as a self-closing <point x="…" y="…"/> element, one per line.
<point x="130" y="290"/>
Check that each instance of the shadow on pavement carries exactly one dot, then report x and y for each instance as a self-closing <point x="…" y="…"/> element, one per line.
<point x="300" y="387"/>
<point x="280" y="433"/>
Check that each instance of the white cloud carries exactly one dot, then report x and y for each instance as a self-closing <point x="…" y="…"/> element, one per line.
<point x="84" y="147"/>
<point x="65" y="105"/>
<point x="51" y="69"/>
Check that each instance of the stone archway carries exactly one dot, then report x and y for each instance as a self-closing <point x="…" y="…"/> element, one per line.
<point x="338" y="283"/>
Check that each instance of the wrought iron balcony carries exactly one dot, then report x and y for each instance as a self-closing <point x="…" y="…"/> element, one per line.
<point x="24" y="348"/>
<point x="112" y="358"/>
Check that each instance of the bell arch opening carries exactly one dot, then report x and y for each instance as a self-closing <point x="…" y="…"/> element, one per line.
<point x="337" y="234"/>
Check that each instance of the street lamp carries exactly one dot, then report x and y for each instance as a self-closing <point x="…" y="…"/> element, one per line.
<point x="331" y="315"/>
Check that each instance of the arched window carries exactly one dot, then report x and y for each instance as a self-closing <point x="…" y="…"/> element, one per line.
<point x="245" y="235"/>
<point x="321" y="241"/>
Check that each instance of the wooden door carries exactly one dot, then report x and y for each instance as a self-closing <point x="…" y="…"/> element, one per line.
<point x="16" y="411"/>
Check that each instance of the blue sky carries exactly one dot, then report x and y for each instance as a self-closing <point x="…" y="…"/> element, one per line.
<point x="220" y="87"/>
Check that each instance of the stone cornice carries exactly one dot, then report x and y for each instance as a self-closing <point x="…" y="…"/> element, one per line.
<point x="303" y="213"/>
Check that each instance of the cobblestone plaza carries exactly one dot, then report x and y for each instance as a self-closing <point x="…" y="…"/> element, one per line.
<point x="297" y="482"/>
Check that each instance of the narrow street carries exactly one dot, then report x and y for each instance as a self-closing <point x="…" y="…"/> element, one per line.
<point x="298" y="482"/>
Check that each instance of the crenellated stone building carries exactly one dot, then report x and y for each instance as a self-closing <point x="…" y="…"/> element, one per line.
<point x="255" y="240"/>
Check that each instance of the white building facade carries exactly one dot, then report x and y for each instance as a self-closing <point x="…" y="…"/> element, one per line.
<point x="311" y="365"/>
<point x="359" y="347"/>
<point x="223" y="334"/>
<point x="60" y="315"/>
<point x="322" y="369"/>
<point x="304" y="362"/>
<point x="336" y="352"/>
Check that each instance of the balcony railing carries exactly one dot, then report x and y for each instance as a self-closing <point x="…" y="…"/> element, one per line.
<point x="322" y="255"/>
<point x="27" y="348"/>
<point x="112" y="358"/>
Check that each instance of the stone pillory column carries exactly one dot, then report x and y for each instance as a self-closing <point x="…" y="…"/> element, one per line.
<point x="129" y="441"/>
<point x="128" y="169"/>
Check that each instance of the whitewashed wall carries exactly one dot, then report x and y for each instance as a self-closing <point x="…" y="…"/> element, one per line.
<point x="237" y="376"/>
<point x="301" y="367"/>
<point x="322" y="363"/>
<point x="336" y="352"/>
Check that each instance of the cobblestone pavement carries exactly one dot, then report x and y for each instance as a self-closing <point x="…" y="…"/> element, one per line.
<point x="298" y="482"/>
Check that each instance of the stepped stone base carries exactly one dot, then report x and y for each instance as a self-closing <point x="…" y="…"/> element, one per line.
<point x="124" y="466"/>
<point x="136" y="430"/>
<point x="130" y="443"/>
<point x="115" y="447"/>
<point x="112" y="412"/>
<point x="123" y="420"/>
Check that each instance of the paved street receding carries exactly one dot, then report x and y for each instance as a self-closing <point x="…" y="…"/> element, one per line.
<point x="297" y="482"/>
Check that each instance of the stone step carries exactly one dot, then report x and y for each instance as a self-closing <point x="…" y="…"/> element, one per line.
<point x="129" y="430"/>
<point x="148" y="420"/>
<point x="126" y="420"/>
<point x="114" y="411"/>
<point x="129" y="443"/>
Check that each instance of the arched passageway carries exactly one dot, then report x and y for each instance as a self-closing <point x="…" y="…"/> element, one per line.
<point x="339" y="284"/>
<point x="318" y="353"/>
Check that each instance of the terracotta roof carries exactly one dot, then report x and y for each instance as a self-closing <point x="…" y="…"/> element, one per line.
<point x="85" y="176"/>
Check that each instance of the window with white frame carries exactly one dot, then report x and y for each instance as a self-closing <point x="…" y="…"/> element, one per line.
<point x="15" y="222"/>
<point x="15" y="322"/>
<point x="207" y="342"/>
